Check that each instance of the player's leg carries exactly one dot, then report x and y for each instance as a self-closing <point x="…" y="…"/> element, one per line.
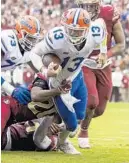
<point x="68" y="116"/>
<point x="81" y="94"/>
<point x="90" y="80"/>
<point x="19" y="136"/>
<point x="104" y="87"/>
<point x="40" y="136"/>
<point x="80" y="107"/>
<point x="70" y="120"/>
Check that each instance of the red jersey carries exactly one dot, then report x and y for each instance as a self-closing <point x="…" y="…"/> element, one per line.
<point x="110" y="16"/>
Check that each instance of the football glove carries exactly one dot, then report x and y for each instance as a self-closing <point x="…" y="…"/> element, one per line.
<point x="22" y="95"/>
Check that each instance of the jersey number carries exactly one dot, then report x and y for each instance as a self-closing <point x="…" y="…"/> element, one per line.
<point x="9" y="63"/>
<point x="96" y="31"/>
<point x="12" y="42"/>
<point x="74" y="64"/>
<point x="58" y="34"/>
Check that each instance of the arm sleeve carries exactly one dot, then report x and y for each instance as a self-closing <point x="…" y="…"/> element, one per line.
<point x="38" y="52"/>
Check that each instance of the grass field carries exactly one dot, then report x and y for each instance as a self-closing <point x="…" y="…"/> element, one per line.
<point x="109" y="137"/>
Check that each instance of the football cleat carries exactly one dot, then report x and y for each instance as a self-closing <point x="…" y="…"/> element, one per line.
<point x="68" y="148"/>
<point x="84" y="143"/>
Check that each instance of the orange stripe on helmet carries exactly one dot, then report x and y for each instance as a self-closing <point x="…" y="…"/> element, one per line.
<point x="76" y="16"/>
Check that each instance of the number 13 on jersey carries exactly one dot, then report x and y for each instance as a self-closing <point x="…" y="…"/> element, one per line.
<point x="75" y="63"/>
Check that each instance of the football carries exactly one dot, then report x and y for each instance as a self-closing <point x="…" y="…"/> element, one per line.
<point x="51" y="57"/>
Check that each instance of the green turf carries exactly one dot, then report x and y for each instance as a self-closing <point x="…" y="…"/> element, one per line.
<point x="109" y="137"/>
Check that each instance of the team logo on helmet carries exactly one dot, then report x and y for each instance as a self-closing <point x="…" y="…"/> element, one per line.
<point x="26" y="24"/>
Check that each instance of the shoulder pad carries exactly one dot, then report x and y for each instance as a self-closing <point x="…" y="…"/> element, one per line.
<point x="106" y="12"/>
<point x="98" y="30"/>
<point x="55" y="38"/>
<point x="8" y="41"/>
<point x="109" y="12"/>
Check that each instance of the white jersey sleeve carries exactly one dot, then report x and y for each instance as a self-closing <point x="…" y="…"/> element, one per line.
<point x="8" y="41"/>
<point x="11" y="54"/>
<point x="99" y="34"/>
<point x="52" y="41"/>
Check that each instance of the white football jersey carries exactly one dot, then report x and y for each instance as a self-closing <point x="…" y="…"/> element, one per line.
<point x="72" y="59"/>
<point x="12" y="55"/>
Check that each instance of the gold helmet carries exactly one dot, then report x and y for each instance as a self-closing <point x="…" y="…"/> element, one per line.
<point x="92" y="6"/>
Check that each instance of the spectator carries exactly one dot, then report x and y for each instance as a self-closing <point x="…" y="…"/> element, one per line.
<point x="117" y="83"/>
<point x="125" y="82"/>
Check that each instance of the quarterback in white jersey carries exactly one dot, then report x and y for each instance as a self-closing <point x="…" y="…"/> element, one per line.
<point x="72" y="43"/>
<point x="15" y="50"/>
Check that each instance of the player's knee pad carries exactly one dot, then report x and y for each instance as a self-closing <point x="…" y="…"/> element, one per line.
<point x="93" y="102"/>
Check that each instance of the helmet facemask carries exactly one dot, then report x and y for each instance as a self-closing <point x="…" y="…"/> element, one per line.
<point x="28" y="32"/>
<point x="92" y="9"/>
<point x="28" y="41"/>
<point x="75" y="35"/>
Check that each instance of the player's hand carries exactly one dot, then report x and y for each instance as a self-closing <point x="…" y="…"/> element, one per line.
<point x="65" y="86"/>
<point x="22" y="95"/>
<point x="53" y="70"/>
<point x="102" y="60"/>
<point x="54" y="128"/>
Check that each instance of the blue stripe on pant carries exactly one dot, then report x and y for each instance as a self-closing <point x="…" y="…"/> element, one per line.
<point x="79" y="91"/>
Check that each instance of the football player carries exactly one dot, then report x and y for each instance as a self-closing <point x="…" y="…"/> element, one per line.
<point x="25" y="135"/>
<point x="40" y="106"/>
<point x="16" y="45"/>
<point x="72" y="42"/>
<point x="99" y="81"/>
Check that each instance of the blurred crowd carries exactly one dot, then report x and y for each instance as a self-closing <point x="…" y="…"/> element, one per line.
<point x="49" y="12"/>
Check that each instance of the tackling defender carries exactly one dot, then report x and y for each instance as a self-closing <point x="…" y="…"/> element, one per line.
<point x="15" y="50"/>
<point x="99" y="81"/>
<point x="72" y="42"/>
<point x="24" y="136"/>
<point x="40" y="106"/>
